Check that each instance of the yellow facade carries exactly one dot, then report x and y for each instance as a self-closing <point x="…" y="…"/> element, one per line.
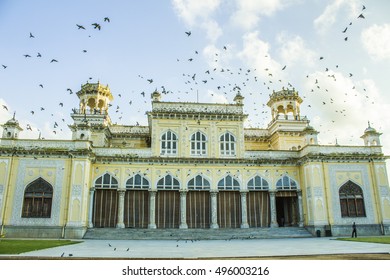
<point x="192" y="159"/>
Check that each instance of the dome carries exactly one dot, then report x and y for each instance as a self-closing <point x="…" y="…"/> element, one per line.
<point x="370" y="129"/>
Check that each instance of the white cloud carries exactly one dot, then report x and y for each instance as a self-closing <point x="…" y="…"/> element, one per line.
<point x="199" y="13"/>
<point x="333" y="11"/>
<point x="192" y="10"/>
<point x="213" y="30"/>
<point x="293" y="49"/>
<point x="216" y="97"/>
<point x="376" y="41"/>
<point x="249" y="12"/>
<point x="349" y="105"/>
<point x="256" y="54"/>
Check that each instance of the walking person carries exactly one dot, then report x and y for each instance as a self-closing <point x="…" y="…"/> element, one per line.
<point x="354" y="232"/>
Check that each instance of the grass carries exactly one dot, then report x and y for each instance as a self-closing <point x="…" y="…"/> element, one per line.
<point x="371" y="239"/>
<point x="17" y="246"/>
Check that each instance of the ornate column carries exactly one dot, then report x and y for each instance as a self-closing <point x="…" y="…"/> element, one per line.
<point x="214" y="220"/>
<point x="244" y="215"/>
<point x="121" y="207"/>
<point x="91" y="197"/>
<point x="183" y="209"/>
<point x="274" y="222"/>
<point x="152" y="209"/>
<point x="300" y="208"/>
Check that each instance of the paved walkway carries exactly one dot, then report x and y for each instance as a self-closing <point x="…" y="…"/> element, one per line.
<point x="161" y="249"/>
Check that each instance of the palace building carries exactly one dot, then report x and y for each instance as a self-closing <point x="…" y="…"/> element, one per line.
<point x="194" y="166"/>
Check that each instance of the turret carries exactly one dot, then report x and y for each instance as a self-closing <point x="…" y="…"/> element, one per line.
<point x="285" y="104"/>
<point x="11" y="129"/>
<point x="91" y="119"/>
<point x="371" y="136"/>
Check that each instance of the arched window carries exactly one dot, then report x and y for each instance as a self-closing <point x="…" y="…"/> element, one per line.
<point x="286" y="183"/>
<point x="198" y="183"/>
<point x="228" y="183"/>
<point x="258" y="183"/>
<point x="168" y="183"/>
<point x="227" y="144"/>
<point x="106" y="181"/>
<point x="137" y="182"/>
<point x="37" y="200"/>
<point x="169" y="143"/>
<point x="198" y="144"/>
<point x="351" y="200"/>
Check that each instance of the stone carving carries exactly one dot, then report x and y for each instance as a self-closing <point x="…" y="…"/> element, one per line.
<point x="165" y="107"/>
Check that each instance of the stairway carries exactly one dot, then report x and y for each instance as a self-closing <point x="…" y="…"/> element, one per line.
<point x="195" y="234"/>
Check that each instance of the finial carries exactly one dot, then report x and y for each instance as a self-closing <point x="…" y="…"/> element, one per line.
<point x="369" y="124"/>
<point x="14" y="115"/>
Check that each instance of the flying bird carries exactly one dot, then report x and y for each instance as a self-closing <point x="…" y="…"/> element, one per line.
<point x="80" y="26"/>
<point x="107" y="19"/>
<point x="284" y="67"/>
<point x="345" y="30"/>
<point x="53" y="60"/>
<point x="188" y="33"/>
<point x="96" y="26"/>
<point x="5" y="107"/>
<point x="31" y="36"/>
<point x="4" y="66"/>
<point x="361" y="16"/>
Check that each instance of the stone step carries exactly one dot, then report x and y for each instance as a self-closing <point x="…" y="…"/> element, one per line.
<point x="195" y="234"/>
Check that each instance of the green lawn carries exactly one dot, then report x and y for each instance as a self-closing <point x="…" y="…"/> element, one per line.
<point x="372" y="239"/>
<point x="17" y="246"/>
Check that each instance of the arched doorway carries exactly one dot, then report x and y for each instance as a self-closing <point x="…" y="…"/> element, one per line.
<point x="198" y="203"/>
<point x="136" y="214"/>
<point x="258" y="203"/>
<point x="168" y="202"/>
<point x="287" y="212"/>
<point x="105" y="203"/>
<point x="229" y="203"/>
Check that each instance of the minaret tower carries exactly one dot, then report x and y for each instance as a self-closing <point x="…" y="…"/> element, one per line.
<point x="11" y="129"/>
<point x="371" y="136"/>
<point x="288" y="129"/>
<point x="91" y="119"/>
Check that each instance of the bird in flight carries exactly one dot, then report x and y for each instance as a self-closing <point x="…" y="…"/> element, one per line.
<point x="107" y="19"/>
<point x="31" y="36"/>
<point x="4" y="66"/>
<point x="5" y="107"/>
<point x="53" y="60"/>
<point x="188" y="33"/>
<point x="80" y="26"/>
<point x="150" y="81"/>
<point x="361" y="16"/>
<point x="96" y="26"/>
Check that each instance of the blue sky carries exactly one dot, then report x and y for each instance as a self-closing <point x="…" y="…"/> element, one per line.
<point x="241" y="43"/>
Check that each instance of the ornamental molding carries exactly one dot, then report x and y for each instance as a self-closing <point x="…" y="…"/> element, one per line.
<point x="129" y="130"/>
<point x="175" y="107"/>
<point x="16" y="217"/>
<point x="367" y="195"/>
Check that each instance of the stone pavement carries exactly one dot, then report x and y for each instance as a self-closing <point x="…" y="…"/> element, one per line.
<point x="181" y="249"/>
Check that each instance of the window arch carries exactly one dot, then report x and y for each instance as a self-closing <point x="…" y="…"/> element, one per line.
<point x="227" y="144"/>
<point x="228" y="183"/>
<point x="198" y="143"/>
<point x="198" y="183"/>
<point x="168" y="183"/>
<point x="286" y="183"/>
<point x="169" y="143"/>
<point x="38" y="198"/>
<point x="137" y="182"/>
<point x="351" y="200"/>
<point x="106" y="181"/>
<point x="258" y="183"/>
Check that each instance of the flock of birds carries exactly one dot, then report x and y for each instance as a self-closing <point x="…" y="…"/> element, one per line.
<point x="219" y="80"/>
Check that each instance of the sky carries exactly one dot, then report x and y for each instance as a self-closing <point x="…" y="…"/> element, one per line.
<point x="198" y="51"/>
